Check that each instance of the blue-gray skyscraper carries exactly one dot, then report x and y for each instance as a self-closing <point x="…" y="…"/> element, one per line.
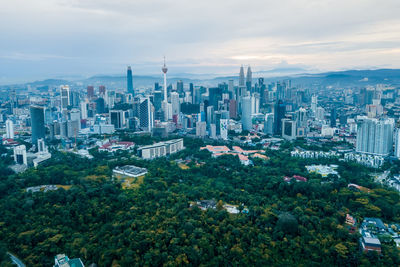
<point x="129" y="81"/>
<point x="37" y="123"/>
<point x="241" y="76"/>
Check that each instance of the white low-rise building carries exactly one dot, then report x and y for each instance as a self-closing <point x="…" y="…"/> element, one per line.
<point x="161" y="149"/>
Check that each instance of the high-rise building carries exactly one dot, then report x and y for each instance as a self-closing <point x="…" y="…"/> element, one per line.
<point x="269" y="124"/>
<point x="117" y="118"/>
<point x="231" y="88"/>
<point x="320" y="113"/>
<point x="129" y="80"/>
<point x="90" y="91"/>
<point x="146" y="115"/>
<point x="288" y="129"/>
<point x="175" y="103"/>
<point x="246" y="113"/>
<point x="301" y="118"/>
<point x="279" y="114"/>
<point x="397" y="143"/>
<point x="37" y="123"/>
<point x="249" y="78"/>
<point x="314" y="103"/>
<point x="9" y="129"/>
<point x="102" y="90"/>
<point x="333" y="117"/>
<point x="232" y="109"/>
<point x="374" y="136"/>
<point x="255" y="103"/>
<point x="224" y="128"/>
<point x="179" y="87"/>
<point x="65" y="97"/>
<point x="241" y="76"/>
<point x="214" y="95"/>
<point x="201" y="127"/>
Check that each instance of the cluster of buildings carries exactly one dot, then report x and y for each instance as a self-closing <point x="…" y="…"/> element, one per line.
<point x="374" y="232"/>
<point x="373" y="161"/>
<point x="243" y="155"/>
<point x="323" y="170"/>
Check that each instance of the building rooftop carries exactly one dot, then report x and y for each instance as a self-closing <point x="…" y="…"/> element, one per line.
<point x="130" y="170"/>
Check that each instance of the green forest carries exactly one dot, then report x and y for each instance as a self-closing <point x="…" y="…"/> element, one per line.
<point x="288" y="224"/>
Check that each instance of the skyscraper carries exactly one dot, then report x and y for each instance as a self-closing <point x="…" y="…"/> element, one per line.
<point x="9" y="129"/>
<point x="65" y="97"/>
<point x="90" y="91"/>
<point x="249" y="78"/>
<point x="333" y="117"/>
<point x="279" y="114"/>
<point x="129" y="79"/>
<point x="374" y="136"/>
<point x="241" y="76"/>
<point x="102" y="90"/>
<point x="146" y="115"/>
<point x="246" y="113"/>
<point x="397" y="143"/>
<point x="175" y="103"/>
<point x="179" y="87"/>
<point x="37" y="123"/>
<point x="117" y="118"/>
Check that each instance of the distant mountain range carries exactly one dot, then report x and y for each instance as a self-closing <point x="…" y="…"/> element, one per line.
<point x="338" y="78"/>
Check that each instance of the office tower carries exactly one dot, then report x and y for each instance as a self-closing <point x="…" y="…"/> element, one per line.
<point x="146" y="115"/>
<point x="374" y="136"/>
<point x="157" y="100"/>
<point x="241" y="76"/>
<point x="102" y="90"/>
<point x="75" y="115"/>
<point x="20" y="155"/>
<point x="100" y="105"/>
<point x="301" y="118"/>
<point x="232" y="109"/>
<point x="157" y="87"/>
<point x="201" y="128"/>
<point x="175" y="103"/>
<point x="249" y="78"/>
<point x="231" y="88"/>
<point x="129" y="80"/>
<point x="246" y="113"/>
<point x="213" y="131"/>
<point x="214" y="95"/>
<point x="9" y="129"/>
<point x="117" y="118"/>
<point x="74" y="98"/>
<point x="288" y="129"/>
<point x="90" y="91"/>
<point x="65" y="97"/>
<point x="279" y="114"/>
<point x="110" y="99"/>
<point x="397" y="143"/>
<point x="314" y="103"/>
<point x="224" y="129"/>
<point x="84" y="109"/>
<point x="255" y="103"/>
<point x="73" y="128"/>
<point x="37" y="123"/>
<point x="333" y="117"/>
<point x="210" y="115"/>
<point x="269" y="124"/>
<point x="179" y="87"/>
<point x="320" y="114"/>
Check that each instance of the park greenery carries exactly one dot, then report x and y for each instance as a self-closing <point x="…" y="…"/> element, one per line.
<point x="288" y="224"/>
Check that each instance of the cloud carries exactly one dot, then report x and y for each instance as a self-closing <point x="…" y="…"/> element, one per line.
<point x="100" y="36"/>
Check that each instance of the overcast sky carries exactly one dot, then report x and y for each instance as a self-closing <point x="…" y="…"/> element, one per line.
<point x="58" y="38"/>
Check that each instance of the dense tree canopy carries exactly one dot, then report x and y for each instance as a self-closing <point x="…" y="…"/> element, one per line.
<point x="95" y="219"/>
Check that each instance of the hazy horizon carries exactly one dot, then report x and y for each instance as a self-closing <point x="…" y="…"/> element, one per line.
<point x="62" y="38"/>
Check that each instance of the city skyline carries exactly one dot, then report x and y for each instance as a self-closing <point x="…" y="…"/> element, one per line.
<point x="52" y="39"/>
